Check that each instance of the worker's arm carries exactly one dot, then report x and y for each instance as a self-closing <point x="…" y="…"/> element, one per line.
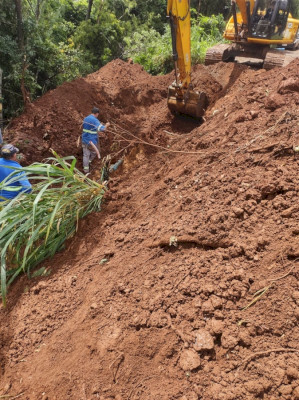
<point x="102" y="127"/>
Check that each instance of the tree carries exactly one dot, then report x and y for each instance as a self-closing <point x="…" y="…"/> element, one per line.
<point x="37" y="52"/>
<point x="89" y="9"/>
<point x="18" y="6"/>
<point x="208" y="7"/>
<point x="101" y="41"/>
<point x="25" y="93"/>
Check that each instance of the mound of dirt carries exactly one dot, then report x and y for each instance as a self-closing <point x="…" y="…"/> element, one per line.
<point x="185" y="285"/>
<point x="127" y="96"/>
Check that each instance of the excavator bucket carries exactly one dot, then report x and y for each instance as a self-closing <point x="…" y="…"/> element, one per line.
<point x="189" y="102"/>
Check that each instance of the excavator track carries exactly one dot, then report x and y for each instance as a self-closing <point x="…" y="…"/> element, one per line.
<point x="279" y="58"/>
<point x="216" y="54"/>
<point x="272" y="58"/>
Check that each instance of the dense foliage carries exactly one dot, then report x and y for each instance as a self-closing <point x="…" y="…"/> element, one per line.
<point x="46" y="42"/>
<point x="153" y="50"/>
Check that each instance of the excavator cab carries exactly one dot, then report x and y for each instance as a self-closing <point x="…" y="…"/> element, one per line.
<point x="272" y="23"/>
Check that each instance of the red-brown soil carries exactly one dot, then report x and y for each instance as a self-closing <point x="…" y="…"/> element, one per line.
<point x="153" y="298"/>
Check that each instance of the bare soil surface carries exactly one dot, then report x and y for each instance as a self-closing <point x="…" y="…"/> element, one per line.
<point x="185" y="285"/>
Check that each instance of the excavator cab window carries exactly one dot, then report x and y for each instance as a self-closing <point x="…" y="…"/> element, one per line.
<point x="270" y="22"/>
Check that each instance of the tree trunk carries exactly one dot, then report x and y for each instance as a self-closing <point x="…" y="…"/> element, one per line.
<point x="90" y="2"/>
<point x="37" y="10"/>
<point x="198" y="6"/>
<point x="20" y="24"/>
<point x="101" y="5"/>
<point x="25" y="93"/>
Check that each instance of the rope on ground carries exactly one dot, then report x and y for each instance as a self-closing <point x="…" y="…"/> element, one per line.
<point x="119" y="131"/>
<point x="115" y="129"/>
<point x="263" y="353"/>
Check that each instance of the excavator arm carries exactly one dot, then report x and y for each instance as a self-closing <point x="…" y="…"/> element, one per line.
<point x="181" y="96"/>
<point x="179" y="15"/>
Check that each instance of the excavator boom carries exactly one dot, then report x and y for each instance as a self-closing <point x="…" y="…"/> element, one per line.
<point x="181" y="96"/>
<point x="179" y="14"/>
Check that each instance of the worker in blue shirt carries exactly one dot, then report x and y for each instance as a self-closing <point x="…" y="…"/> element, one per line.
<point x="90" y="138"/>
<point x="8" y="165"/>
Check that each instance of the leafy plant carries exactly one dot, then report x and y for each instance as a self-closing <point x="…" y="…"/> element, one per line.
<point x="150" y="49"/>
<point x="153" y="50"/>
<point x="205" y="33"/>
<point x="35" y="226"/>
<point x="102" y="41"/>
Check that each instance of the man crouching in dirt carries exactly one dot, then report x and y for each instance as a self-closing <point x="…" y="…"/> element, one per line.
<point x="90" y="138"/>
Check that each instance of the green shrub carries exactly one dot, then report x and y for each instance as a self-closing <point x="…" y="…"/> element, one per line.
<point x="35" y="226"/>
<point x="154" y="50"/>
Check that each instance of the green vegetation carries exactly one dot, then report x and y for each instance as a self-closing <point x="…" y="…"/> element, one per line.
<point x="35" y="226"/>
<point x="47" y="42"/>
<point x="153" y="50"/>
<point x="205" y="33"/>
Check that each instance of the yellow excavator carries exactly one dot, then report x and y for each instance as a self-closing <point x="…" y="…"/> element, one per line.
<point x="258" y="32"/>
<point x="253" y="30"/>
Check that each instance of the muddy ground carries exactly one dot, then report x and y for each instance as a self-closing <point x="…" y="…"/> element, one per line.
<point x="185" y="285"/>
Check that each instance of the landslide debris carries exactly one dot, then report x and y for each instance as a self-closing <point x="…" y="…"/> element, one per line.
<point x="151" y="299"/>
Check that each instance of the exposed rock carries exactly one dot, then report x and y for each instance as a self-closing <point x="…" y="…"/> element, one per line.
<point x="203" y="340"/>
<point x="289" y="85"/>
<point x="274" y="101"/>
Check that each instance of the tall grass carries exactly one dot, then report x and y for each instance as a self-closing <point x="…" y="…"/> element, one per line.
<point x="34" y="226"/>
